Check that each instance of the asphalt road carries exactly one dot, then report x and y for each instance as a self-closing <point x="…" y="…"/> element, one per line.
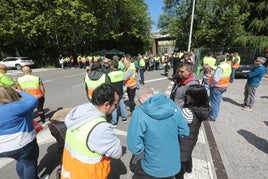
<point x="240" y="136"/>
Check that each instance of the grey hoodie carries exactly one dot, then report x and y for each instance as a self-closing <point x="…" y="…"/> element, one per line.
<point x="102" y="138"/>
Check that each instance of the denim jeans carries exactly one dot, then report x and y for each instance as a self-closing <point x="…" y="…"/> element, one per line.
<point x="142" y="75"/>
<point x="232" y="76"/>
<point x="26" y="158"/>
<point x="131" y="96"/>
<point x="123" y="112"/>
<point x="215" y="101"/>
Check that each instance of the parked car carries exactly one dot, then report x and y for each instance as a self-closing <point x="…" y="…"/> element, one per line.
<point x="244" y="68"/>
<point x="17" y="62"/>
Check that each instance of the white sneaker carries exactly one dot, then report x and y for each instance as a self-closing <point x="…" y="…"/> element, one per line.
<point x="188" y="175"/>
<point x="46" y="176"/>
<point x="45" y="124"/>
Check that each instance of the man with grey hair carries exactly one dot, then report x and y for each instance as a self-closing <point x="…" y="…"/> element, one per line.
<point x="153" y="135"/>
<point x="253" y="81"/>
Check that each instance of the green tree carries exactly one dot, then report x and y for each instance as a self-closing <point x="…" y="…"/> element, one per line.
<point x="45" y="29"/>
<point x="217" y="23"/>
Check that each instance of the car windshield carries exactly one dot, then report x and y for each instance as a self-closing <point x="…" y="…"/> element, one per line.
<point x="25" y="58"/>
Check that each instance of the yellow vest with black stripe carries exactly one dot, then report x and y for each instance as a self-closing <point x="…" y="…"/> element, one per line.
<point x="225" y="76"/>
<point x="30" y="84"/>
<point x="78" y="160"/>
<point x="116" y="76"/>
<point x="93" y="84"/>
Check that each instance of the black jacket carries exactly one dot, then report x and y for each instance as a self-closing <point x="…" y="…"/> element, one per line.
<point x="187" y="144"/>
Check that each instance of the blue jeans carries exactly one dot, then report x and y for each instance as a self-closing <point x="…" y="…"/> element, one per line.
<point x="142" y="75"/>
<point x="26" y="158"/>
<point x="123" y="112"/>
<point x="232" y="77"/>
<point x="215" y="101"/>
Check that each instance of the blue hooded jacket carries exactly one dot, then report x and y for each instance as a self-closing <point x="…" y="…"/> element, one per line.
<point x="154" y="129"/>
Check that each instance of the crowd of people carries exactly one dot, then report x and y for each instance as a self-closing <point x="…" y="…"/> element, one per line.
<point x="162" y="132"/>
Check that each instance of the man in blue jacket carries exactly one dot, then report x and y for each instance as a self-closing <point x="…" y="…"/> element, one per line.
<point x="153" y="131"/>
<point x="254" y="77"/>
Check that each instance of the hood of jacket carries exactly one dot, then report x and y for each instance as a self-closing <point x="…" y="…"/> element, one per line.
<point x="158" y="107"/>
<point x="201" y="113"/>
<point x="80" y="115"/>
<point x="94" y="75"/>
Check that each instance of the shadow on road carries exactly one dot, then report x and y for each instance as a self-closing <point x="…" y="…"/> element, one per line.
<point x="45" y="165"/>
<point x="258" y="142"/>
<point x="231" y="101"/>
<point x="118" y="167"/>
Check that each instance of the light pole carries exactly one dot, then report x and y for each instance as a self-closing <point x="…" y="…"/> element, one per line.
<point x="191" y="27"/>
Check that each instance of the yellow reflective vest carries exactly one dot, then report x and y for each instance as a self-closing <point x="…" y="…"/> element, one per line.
<point x="78" y="161"/>
<point x="30" y="84"/>
<point x="225" y="77"/>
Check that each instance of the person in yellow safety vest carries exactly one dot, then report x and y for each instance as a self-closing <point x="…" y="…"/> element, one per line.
<point x="5" y="80"/>
<point x="94" y="78"/>
<point x="157" y="61"/>
<point x="130" y="82"/>
<point x="218" y="84"/>
<point x="142" y="67"/>
<point x="235" y="64"/>
<point x="90" y="141"/>
<point x="208" y="59"/>
<point x="33" y="85"/>
<point x="117" y="80"/>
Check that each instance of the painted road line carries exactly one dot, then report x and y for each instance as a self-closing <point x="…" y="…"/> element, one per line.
<point x="147" y="81"/>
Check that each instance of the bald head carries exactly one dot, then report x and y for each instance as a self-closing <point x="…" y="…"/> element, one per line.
<point x="26" y="70"/>
<point x="144" y="94"/>
<point x="3" y="68"/>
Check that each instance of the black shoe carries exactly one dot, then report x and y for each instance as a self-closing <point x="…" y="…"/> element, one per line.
<point x="210" y="119"/>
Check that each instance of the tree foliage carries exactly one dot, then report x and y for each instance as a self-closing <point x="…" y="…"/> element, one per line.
<point x="45" y="29"/>
<point x="217" y="23"/>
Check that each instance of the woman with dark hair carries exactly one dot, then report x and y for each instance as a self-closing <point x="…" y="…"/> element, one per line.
<point x="17" y="132"/>
<point x="195" y="111"/>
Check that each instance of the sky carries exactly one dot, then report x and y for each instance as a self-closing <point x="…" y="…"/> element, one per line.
<point x="155" y="9"/>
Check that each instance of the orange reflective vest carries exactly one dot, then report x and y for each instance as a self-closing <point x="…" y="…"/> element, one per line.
<point x="78" y="161"/>
<point x="132" y="81"/>
<point x="236" y="64"/>
<point x="225" y="77"/>
<point x="30" y="84"/>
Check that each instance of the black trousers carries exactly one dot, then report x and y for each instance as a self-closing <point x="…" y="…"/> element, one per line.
<point x="131" y="96"/>
<point x="40" y="109"/>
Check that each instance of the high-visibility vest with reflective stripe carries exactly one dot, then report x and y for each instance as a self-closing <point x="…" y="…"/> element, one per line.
<point x="142" y="62"/>
<point x="210" y="61"/>
<point x="6" y="81"/>
<point x="132" y="81"/>
<point x="225" y="77"/>
<point x="93" y="84"/>
<point x="116" y="76"/>
<point x="30" y="84"/>
<point x="163" y="60"/>
<point x="78" y="160"/>
<point x="236" y="65"/>
<point x="157" y="59"/>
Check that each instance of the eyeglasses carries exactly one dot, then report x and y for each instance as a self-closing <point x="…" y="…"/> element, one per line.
<point x="257" y="60"/>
